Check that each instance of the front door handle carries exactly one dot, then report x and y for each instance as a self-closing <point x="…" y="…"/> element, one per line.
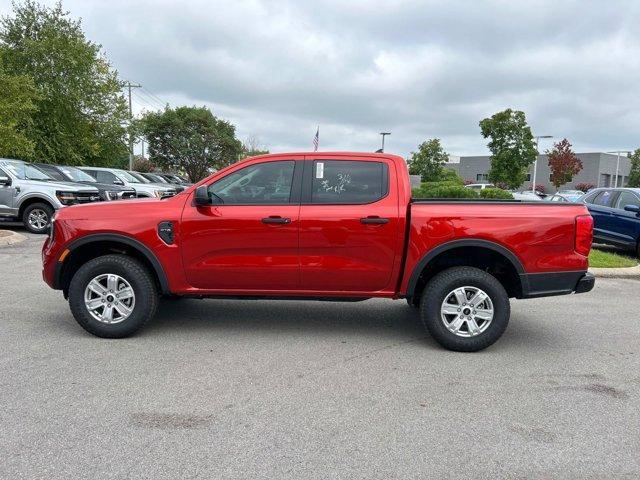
<point x="374" y="220"/>
<point x="274" y="219"/>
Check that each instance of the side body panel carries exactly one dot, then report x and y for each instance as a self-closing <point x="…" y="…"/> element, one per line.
<point x="540" y="236"/>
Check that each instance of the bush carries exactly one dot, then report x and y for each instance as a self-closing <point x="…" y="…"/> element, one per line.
<point x="444" y="191"/>
<point x="142" y="164"/>
<point x="496" y="193"/>
<point x="584" y="187"/>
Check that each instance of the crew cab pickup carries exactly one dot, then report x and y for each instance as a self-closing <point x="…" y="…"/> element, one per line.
<point x="325" y="226"/>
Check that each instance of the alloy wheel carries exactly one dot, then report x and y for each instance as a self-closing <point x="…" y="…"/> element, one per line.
<point x="467" y="311"/>
<point x="109" y="298"/>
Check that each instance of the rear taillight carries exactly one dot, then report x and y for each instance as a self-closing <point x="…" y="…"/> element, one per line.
<point x="584" y="234"/>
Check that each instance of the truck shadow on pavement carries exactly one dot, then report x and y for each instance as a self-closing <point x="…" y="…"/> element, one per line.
<point x="393" y="320"/>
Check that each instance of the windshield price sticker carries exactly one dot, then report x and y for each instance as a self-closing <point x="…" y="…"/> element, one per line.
<point x="320" y="170"/>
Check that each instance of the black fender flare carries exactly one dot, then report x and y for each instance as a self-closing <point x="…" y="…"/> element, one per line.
<point x="434" y="252"/>
<point x="130" y="242"/>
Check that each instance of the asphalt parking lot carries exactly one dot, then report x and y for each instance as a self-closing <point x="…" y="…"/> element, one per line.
<point x="260" y="389"/>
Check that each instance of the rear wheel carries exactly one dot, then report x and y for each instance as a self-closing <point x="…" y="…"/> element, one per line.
<point x="113" y="296"/>
<point x="37" y="217"/>
<point x="465" y="309"/>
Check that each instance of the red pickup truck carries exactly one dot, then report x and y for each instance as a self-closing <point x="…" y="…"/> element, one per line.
<point x="325" y="226"/>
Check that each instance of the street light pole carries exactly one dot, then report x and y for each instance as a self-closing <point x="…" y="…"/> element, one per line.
<point x="384" y="134"/>
<point x="535" y="163"/>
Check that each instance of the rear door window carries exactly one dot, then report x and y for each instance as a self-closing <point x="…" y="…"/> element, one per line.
<point x="348" y="182"/>
<point x="604" y="198"/>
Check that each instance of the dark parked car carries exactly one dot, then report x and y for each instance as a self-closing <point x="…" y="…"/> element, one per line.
<point x="616" y="216"/>
<point x="156" y="178"/>
<point x="175" y="179"/>
<point x="108" y="191"/>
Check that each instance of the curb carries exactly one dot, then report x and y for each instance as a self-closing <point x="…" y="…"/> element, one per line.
<point x="7" y="237"/>
<point x="628" y="272"/>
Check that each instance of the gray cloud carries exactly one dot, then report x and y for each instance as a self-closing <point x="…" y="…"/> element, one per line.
<point x="417" y="69"/>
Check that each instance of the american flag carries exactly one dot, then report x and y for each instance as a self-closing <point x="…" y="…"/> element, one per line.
<point x="316" y="140"/>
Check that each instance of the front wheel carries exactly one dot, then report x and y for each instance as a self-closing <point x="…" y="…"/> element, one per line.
<point x="113" y="296"/>
<point x="37" y="217"/>
<point x="465" y="309"/>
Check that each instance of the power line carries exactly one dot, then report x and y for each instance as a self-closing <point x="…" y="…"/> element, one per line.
<point x="146" y="101"/>
<point x="154" y="96"/>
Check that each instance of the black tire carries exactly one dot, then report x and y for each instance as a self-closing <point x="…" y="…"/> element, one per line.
<point x="41" y="208"/>
<point x="133" y="272"/>
<point x="437" y="291"/>
<point x="411" y="301"/>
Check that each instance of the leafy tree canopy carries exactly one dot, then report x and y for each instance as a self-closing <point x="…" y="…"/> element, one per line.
<point x="511" y="145"/>
<point x="190" y="139"/>
<point x="428" y="160"/>
<point x="80" y="108"/>
<point x="18" y="97"/>
<point x="634" y="174"/>
<point x="563" y="163"/>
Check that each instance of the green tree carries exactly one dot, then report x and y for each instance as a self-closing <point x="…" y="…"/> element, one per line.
<point x="18" y="96"/>
<point x="190" y="139"/>
<point x="634" y="174"/>
<point x="511" y="145"/>
<point x="80" y="109"/>
<point x="563" y="163"/>
<point x="428" y="160"/>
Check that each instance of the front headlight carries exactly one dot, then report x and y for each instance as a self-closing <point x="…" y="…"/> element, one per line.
<point x="158" y="193"/>
<point x="67" y="198"/>
<point x="112" y="195"/>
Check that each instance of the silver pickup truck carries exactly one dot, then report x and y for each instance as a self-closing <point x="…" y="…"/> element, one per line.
<point x="30" y="195"/>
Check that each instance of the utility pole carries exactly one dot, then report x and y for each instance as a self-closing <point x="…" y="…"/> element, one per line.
<point x="384" y="134"/>
<point x="130" y="85"/>
<point x="618" y="152"/>
<point x="535" y="163"/>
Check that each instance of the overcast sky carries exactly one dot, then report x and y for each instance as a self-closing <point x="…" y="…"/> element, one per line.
<point x="418" y="69"/>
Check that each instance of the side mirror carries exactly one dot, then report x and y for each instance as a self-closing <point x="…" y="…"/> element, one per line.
<point x="632" y="208"/>
<point x="5" y="180"/>
<point x="118" y="182"/>
<point x="202" y="196"/>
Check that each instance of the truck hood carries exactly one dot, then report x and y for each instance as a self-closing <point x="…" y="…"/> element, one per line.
<point x="105" y="210"/>
<point x="66" y="186"/>
<point x="108" y="186"/>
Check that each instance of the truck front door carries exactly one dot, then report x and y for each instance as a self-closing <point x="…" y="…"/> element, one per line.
<point x="247" y="239"/>
<point x="350" y="230"/>
<point x="7" y="194"/>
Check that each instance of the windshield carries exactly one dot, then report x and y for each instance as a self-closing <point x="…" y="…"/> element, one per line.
<point x="127" y="176"/>
<point x="156" y="178"/>
<point x="77" y="175"/>
<point x="139" y="177"/>
<point x="24" y="171"/>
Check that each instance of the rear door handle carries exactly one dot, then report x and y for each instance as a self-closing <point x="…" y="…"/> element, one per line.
<point x="275" y="219"/>
<point x="374" y="220"/>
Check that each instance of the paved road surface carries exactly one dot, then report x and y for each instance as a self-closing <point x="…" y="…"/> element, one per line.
<point x="276" y="390"/>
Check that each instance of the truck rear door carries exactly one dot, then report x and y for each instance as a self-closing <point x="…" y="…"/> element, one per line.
<point x="349" y="224"/>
